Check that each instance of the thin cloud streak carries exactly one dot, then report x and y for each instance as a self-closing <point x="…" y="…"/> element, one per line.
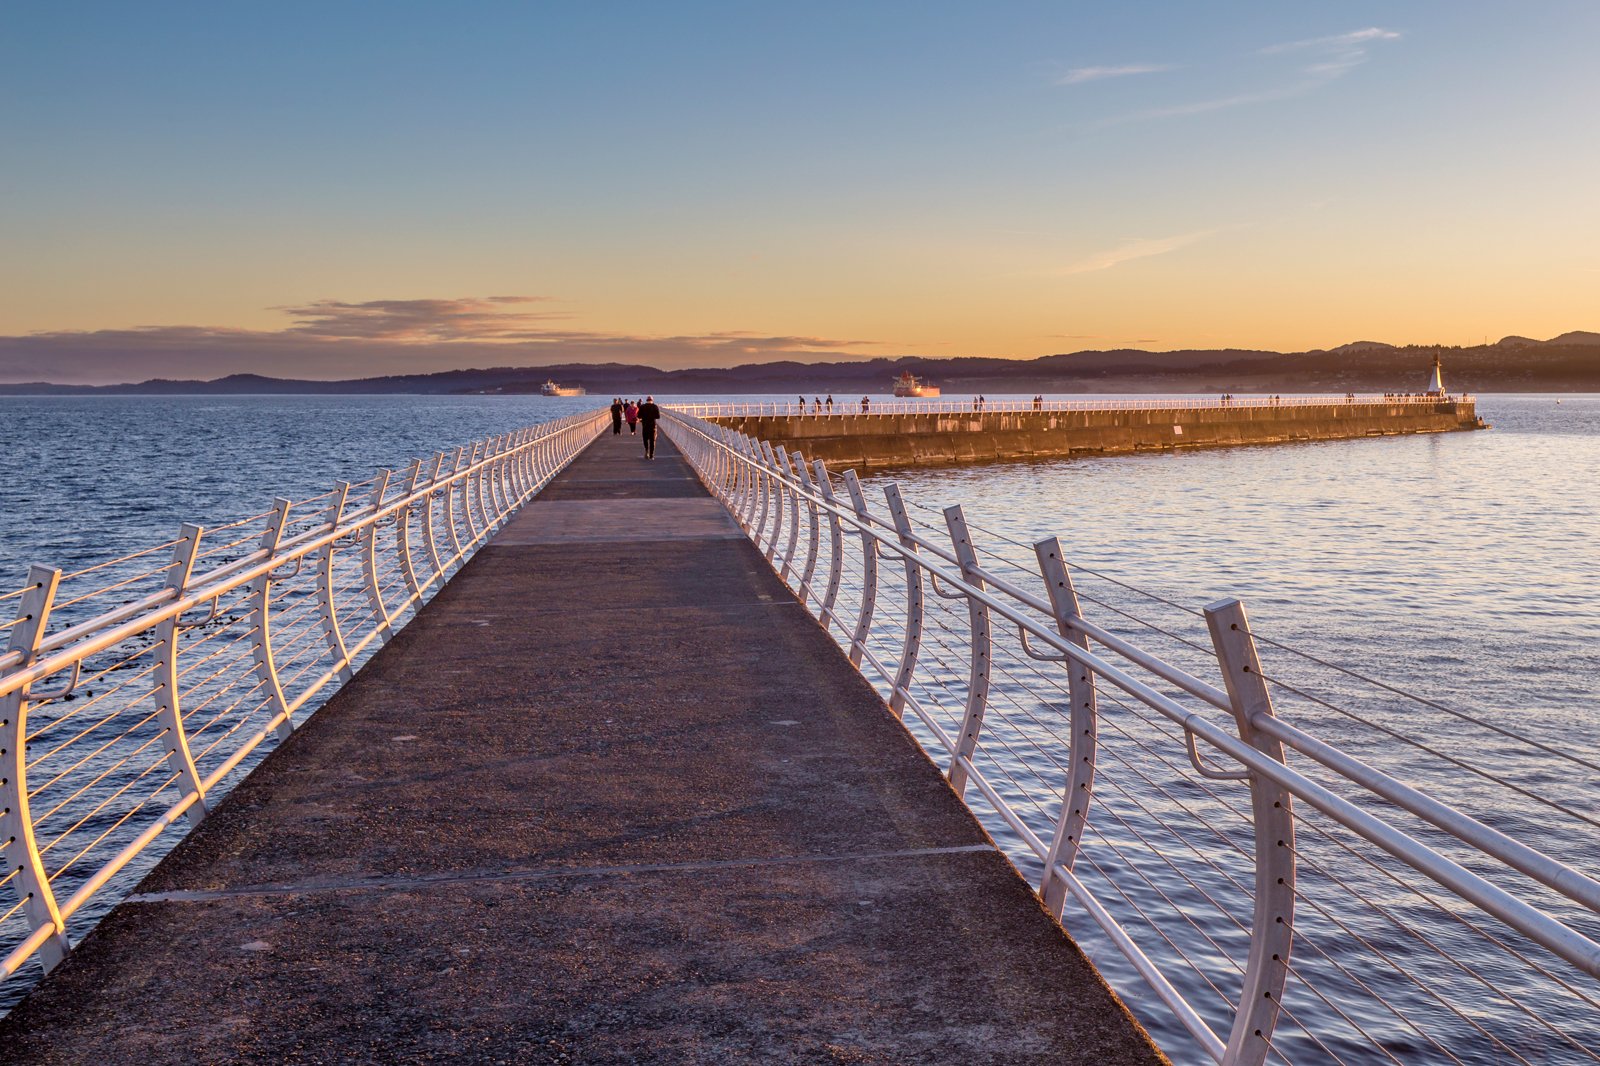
<point x="1342" y="41"/>
<point x="1333" y="57"/>
<point x="1138" y="248"/>
<point x="1080" y="75"/>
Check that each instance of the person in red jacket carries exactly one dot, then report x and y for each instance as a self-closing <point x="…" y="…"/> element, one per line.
<point x="631" y="413"/>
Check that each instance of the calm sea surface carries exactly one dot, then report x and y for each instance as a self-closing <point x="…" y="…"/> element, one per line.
<point x="1464" y="567"/>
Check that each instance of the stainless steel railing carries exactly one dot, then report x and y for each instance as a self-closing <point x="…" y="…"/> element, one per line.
<point x="134" y="691"/>
<point x="1280" y="895"/>
<point x="972" y="406"/>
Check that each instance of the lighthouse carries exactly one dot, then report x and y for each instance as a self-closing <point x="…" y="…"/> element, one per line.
<point x="1435" y="380"/>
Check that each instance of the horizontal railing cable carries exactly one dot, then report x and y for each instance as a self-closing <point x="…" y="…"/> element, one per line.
<point x="120" y="721"/>
<point x="1159" y="835"/>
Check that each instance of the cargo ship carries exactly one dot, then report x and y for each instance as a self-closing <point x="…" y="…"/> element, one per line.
<point x="550" y="388"/>
<point x="908" y="385"/>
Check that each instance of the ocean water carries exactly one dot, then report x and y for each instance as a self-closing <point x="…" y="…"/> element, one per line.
<point x="1461" y="568"/>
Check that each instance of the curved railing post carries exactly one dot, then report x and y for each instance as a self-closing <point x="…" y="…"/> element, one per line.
<point x="261" y="607"/>
<point x="166" y="693"/>
<point x="430" y="538"/>
<point x="536" y="464"/>
<point x="709" y="461"/>
<point x="1272" y="926"/>
<point x="499" y="492"/>
<point x="732" y="479"/>
<point x="727" y="471"/>
<point x="485" y="479"/>
<point x="760" y="469"/>
<point x="469" y="481"/>
<point x="382" y="621"/>
<point x="452" y="488"/>
<point x="752" y="486"/>
<point x="327" y="601"/>
<point x="869" y="569"/>
<point x="982" y="649"/>
<point x="485" y="482"/>
<point x="912" y="646"/>
<point x="1083" y="721"/>
<point x="402" y="532"/>
<point x="786" y="467"/>
<point x="548" y="455"/>
<point x="735" y="476"/>
<point x="502" y="478"/>
<point x="22" y="856"/>
<point x="836" y="546"/>
<point x="488" y="490"/>
<point x="527" y="479"/>
<point x="739" y="480"/>
<point x="813" y="530"/>
<point x="770" y="463"/>
<point x="521" y="470"/>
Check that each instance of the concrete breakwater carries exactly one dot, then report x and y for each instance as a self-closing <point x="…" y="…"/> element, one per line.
<point x="890" y="439"/>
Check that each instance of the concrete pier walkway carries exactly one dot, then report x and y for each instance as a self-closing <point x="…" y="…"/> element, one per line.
<point x="613" y="797"/>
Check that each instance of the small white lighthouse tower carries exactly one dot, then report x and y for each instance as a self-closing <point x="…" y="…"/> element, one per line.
<point x="1435" y="380"/>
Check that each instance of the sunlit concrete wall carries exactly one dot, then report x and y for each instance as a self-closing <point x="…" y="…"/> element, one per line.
<point x="865" y="442"/>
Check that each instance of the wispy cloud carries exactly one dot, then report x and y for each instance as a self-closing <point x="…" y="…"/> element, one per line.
<point x="1324" y="60"/>
<point x="1079" y="75"/>
<point x="1337" y="42"/>
<point x="1136" y="248"/>
<point x="414" y="321"/>
<point x="1332" y="57"/>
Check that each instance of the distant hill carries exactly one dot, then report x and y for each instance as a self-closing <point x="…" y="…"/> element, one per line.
<point x="1576" y="337"/>
<point x="1570" y="362"/>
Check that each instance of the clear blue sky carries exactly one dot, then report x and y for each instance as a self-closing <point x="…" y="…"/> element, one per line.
<point x="343" y="186"/>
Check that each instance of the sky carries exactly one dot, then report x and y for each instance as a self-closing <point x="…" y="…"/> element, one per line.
<point x="346" y="189"/>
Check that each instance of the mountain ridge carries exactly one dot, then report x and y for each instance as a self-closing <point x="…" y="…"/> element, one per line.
<point x="1570" y="361"/>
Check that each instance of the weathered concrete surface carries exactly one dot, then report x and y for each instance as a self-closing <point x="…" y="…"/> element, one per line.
<point x="608" y="799"/>
<point x="875" y="441"/>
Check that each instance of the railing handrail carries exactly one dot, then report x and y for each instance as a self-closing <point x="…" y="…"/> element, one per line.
<point x="734" y="469"/>
<point x="478" y="496"/>
<point x="228" y="576"/>
<point x="1224" y="402"/>
<point x="1575" y="885"/>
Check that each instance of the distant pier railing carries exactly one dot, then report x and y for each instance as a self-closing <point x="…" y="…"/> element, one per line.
<point x="1227" y="402"/>
<point x="133" y="690"/>
<point x="1236" y="848"/>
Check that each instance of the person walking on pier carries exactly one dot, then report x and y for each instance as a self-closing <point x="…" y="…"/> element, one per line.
<point x="631" y="413"/>
<point x="829" y="402"/>
<point x="616" y="415"/>
<point x="649" y="414"/>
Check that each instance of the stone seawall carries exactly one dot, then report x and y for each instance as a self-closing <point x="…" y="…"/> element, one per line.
<point x="869" y="441"/>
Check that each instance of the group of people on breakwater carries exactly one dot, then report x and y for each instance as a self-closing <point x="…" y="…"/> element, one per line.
<point x="639" y="414"/>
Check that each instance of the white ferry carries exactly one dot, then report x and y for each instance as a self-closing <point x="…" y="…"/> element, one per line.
<point x="550" y="388"/>
<point x="908" y="385"/>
